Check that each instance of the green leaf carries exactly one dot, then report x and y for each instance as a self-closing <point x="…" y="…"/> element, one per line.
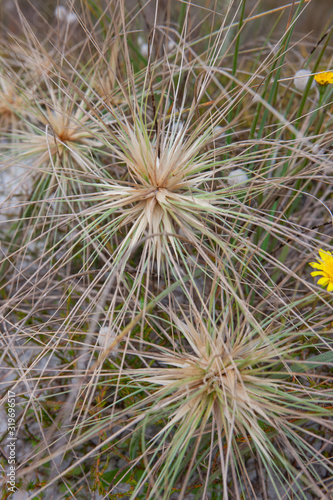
<point x="313" y="362"/>
<point x="110" y="476"/>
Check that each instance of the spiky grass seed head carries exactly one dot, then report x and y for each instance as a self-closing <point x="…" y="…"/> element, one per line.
<point x="301" y="79"/>
<point x="325" y="267"/>
<point x="12" y="103"/>
<point x="227" y="383"/>
<point x="165" y="192"/>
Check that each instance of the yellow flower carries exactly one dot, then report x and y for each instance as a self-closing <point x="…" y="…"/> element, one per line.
<point x="324" y="78"/>
<point x="326" y="269"/>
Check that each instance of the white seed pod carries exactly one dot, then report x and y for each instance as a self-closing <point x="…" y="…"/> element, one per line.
<point x="143" y="46"/>
<point x="105" y="338"/>
<point x="316" y="150"/>
<point x="176" y="128"/>
<point x="171" y="45"/>
<point x="301" y="79"/>
<point x="60" y="13"/>
<point x="71" y="18"/>
<point x="218" y="132"/>
<point x="237" y="176"/>
<point x="144" y="49"/>
<point x="63" y="15"/>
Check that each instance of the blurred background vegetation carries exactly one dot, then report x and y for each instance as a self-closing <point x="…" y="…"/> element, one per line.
<point x="319" y="13"/>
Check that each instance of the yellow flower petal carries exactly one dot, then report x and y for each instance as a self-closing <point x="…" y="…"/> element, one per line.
<point x="325" y="267"/>
<point x="325" y="256"/>
<point x="323" y="281"/>
<point x="316" y="265"/>
<point x="324" y="78"/>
